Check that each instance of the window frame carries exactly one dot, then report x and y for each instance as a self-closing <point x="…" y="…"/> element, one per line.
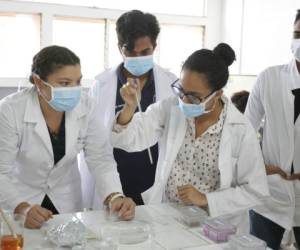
<point x="211" y="23"/>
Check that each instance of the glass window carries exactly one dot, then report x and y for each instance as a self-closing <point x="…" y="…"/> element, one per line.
<point x="20" y="41"/>
<point x="114" y="56"/>
<point x="238" y="83"/>
<point x="174" y="48"/>
<point x="85" y="37"/>
<point x="188" y="7"/>
<point x="170" y="52"/>
<point x="267" y="39"/>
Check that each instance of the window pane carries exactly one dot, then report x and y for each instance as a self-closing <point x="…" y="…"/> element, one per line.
<point x="114" y="56"/>
<point x="188" y="7"/>
<point x="170" y="52"/>
<point x="238" y="83"/>
<point x="269" y="42"/>
<point x="173" y="50"/>
<point x="19" y="42"/>
<point x="85" y="37"/>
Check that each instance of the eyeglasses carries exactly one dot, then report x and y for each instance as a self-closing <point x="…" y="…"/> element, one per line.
<point x="179" y="92"/>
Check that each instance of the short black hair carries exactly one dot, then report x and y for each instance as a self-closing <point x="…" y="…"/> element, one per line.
<point x="135" y="24"/>
<point x="50" y="59"/>
<point x="297" y="16"/>
<point x="240" y="99"/>
<point x="213" y="64"/>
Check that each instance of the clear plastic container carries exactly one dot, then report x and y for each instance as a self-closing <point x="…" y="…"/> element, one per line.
<point x="127" y="232"/>
<point x="246" y="242"/>
<point x="192" y="216"/>
<point x="218" y="230"/>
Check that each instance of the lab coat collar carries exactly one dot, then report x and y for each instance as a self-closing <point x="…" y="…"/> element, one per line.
<point x="178" y="125"/>
<point x="234" y="116"/>
<point x="106" y="77"/>
<point x="292" y="68"/>
<point x="33" y="111"/>
<point x="33" y="114"/>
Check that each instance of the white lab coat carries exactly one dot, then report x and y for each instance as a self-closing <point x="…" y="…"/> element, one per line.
<point x="27" y="170"/>
<point x="243" y="179"/>
<point x="104" y="92"/>
<point x="105" y="88"/>
<point x="271" y="98"/>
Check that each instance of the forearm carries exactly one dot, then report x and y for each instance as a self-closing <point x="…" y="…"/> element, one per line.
<point x="126" y="115"/>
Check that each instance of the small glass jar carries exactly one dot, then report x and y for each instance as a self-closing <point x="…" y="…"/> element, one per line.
<point x="7" y="240"/>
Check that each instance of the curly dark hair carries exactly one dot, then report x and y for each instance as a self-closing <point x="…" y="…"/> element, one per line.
<point x="135" y="24"/>
<point x="50" y="59"/>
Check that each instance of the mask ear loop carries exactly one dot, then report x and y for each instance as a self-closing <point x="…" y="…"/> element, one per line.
<point x="40" y="92"/>
<point x="122" y="52"/>
<point x="207" y="100"/>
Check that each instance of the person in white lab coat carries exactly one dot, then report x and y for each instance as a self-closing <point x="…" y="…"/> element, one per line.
<point x="42" y="129"/>
<point x="209" y="153"/>
<point x="137" y="34"/>
<point x="275" y="98"/>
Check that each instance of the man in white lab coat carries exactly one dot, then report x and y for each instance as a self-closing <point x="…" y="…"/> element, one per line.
<point x="137" y="34"/>
<point x="276" y="98"/>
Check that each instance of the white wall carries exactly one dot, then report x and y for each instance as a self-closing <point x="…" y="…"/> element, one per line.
<point x="213" y="23"/>
<point x="260" y="31"/>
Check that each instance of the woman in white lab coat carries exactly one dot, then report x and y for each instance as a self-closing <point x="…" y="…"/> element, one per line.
<point x="276" y="98"/>
<point x="209" y="154"/>
<point x="42" y="129"/>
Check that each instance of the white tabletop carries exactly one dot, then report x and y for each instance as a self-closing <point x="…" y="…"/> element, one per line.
<point x="169" y="234"/>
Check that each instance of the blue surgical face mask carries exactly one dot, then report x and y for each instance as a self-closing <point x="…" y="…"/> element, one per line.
<point x="63" y="98"/>
<point x="295" y="46"/>
<point x="139" y="65"/>
<point x="194" y="110"/>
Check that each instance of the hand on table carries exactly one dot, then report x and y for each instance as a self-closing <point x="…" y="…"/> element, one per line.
<point x="189" y="195"/>
<point x="124" y="207"/>
<point x="35" y="215"/>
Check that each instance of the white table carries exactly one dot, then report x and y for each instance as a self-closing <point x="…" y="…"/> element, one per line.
<point x="169" y="234"/>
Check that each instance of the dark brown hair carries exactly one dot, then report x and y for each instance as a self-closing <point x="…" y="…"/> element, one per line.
<point x="50" y="59"/>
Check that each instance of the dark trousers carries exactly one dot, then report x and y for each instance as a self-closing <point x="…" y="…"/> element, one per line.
<point x="269" y="231"/>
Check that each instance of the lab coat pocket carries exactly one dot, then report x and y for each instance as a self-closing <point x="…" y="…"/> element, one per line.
<point x="279" y="190"/>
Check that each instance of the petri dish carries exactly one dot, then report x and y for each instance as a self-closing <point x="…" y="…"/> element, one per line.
<point x="127" y="232"/>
